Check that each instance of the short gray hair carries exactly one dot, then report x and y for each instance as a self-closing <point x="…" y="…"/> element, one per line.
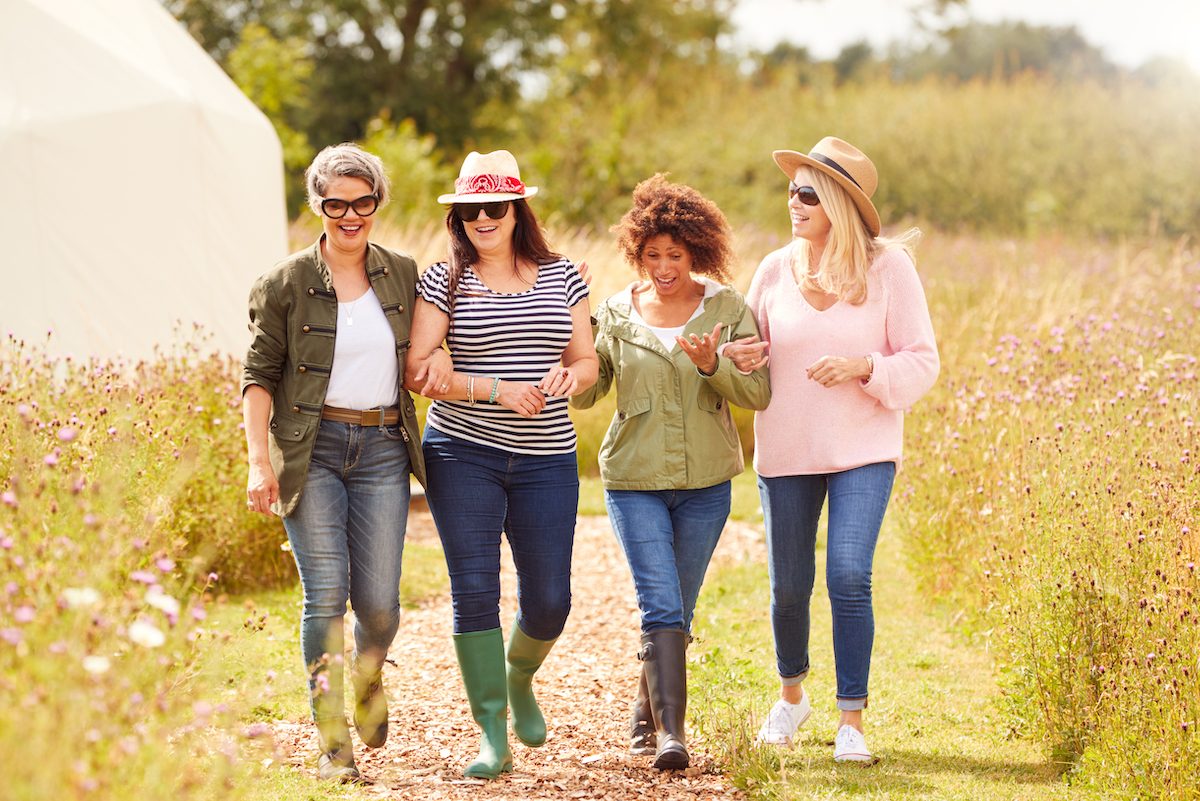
<point x="346" y="160"/>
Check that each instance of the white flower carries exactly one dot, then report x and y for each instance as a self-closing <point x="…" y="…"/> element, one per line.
<point x="145" y="634"/>
<point x="162" y="602"/>
<point x="80" y="597"/>
<point x="96" y="664"/>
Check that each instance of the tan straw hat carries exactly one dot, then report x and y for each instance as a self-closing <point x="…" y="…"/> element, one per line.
<point x="487" y="177"/>
<point x="844" y="163"/>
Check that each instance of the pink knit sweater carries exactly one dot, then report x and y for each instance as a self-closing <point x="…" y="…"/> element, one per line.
<point x="810" y="429"/>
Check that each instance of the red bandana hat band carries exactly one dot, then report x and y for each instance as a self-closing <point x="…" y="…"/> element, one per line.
<point x="488" y="184"/>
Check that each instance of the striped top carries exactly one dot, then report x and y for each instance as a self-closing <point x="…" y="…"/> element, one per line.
<point x="514" y="337"/>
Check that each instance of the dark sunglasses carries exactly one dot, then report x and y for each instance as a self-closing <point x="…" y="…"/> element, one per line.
<point x="808" y="195"/>
<point x="336" y="208"/>
<point x="470" y="211"/>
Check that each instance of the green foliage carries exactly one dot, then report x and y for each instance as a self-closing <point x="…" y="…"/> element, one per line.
<point x="274" y="75"/>
<point x="1051" y="488"/>
<point x="416" y="172"/>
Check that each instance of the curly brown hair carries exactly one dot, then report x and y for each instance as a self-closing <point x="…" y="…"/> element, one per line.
<point x="692" y="220"/>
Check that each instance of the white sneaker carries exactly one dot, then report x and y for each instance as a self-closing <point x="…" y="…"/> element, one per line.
<point x="851" y="746"/>
<point x="783" y="720"/>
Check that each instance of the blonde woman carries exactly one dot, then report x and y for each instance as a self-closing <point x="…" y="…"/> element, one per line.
<point x="851" y="347"/>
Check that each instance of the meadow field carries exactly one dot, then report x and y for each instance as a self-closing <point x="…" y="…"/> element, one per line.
<point x="1046" y="509"/>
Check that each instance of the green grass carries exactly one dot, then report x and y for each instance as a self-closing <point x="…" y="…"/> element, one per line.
<point x="935" y="716"/>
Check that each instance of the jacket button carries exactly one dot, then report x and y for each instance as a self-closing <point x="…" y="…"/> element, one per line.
<point x="302" y="369"/>
<point x="295" y="408"/>
<point x="719" y="404"/>
<point x="311" y="291"/>
<point x="400" y="308"/>
<point x="386" y="270"/>
<point x="306" y="329"/>
<point x="297" y="433"/>
<point x="620" y="415"/>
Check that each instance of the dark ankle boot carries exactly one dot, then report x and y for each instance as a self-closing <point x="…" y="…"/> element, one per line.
<point x="642" y="739"/>
<point x="370" y="704"/>
<point x="663" y="657"/>
<point x="481" y="659"/>
<point x="336" y="762"/>
<point x="525" y="656"/>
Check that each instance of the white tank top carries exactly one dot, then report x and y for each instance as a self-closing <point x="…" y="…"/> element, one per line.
<point x="365" y="373"/>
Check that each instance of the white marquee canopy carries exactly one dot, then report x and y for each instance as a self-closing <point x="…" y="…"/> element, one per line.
<point x="141" y="189"/>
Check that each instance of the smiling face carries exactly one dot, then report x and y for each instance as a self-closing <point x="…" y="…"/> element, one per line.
<point x="347" y="234"/>
<point x="808" y="222"/>
<point x="491" y="237"/>
<point x="667" y="264"/>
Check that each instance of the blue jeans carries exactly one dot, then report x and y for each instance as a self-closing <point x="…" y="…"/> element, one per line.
<point x="792" y="505"/>
<point x="347" y="535"/>
<point x="475" y="493"/>
<point x="669" y="537"/>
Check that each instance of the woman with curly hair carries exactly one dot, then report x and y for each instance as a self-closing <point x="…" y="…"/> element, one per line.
<point x="672" y="448"/>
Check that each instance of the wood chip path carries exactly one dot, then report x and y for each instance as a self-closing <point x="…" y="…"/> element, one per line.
<point x="584" y="689"/>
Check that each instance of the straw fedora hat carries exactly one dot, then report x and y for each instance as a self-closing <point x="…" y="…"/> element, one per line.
<point x="487" y="177"/>
<point x="844" y="163"/>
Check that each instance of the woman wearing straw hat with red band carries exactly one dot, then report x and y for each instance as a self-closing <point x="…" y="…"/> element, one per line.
<point x="851" y="346"/>
<point x="499" y="445"/>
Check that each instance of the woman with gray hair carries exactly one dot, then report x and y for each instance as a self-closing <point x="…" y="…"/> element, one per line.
<point x="332" y="437"/>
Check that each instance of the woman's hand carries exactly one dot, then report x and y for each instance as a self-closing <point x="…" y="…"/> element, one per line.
<point x="747" y="354"/>
<point x="262" y="488"/>
<point x="524" y="399"/>
<point x="559" y="382"/>
<point x="829" y="371"/>
<point x="585" y="272"/>
<point x="702" y="349"/>
<point x="435" y="374"/>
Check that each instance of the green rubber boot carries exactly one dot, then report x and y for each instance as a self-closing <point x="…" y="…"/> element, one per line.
<point x="525" y="656"/>
<point x="481" y="659"/>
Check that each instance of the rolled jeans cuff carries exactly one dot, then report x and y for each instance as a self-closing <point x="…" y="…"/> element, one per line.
<point x="792" y="681"/>
<point x="851" y="704"/>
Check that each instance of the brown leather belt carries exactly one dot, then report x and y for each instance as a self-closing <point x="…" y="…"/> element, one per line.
<point x="366" y="417"/>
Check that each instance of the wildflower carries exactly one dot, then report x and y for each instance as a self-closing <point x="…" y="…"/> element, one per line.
<point x="80" y="597"/>
<point x="57" y="647"/>
<point x="24" y="410"/>
<point x="162" y="602"/>
<point x="50" y="459"/>
<point x="198" y="613"/>
<point x="146" y="634"/>
<point x="164" y="564"/>
<point x="90" y="520"/>
<point x="255" y="730"/>
<point x="23" y="614"/>
<point x="202" y="709"/>
<point x="68" y="433"/>
<point x="11" y="636"/>
<point x="96" y="665"/>
<point x="9" y="498"/>
<point x="144" y="577"/>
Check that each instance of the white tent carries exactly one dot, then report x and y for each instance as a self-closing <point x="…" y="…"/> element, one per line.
<point x="140" y="188"/>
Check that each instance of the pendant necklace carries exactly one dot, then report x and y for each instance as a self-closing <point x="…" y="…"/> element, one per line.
<point x="350" y="307"/>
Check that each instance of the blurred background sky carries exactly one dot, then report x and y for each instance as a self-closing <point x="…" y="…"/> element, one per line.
<point x="1129" y="33"/>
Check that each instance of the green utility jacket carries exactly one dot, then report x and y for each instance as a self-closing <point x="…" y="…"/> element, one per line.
<point x="293" y="322"/>
<point x="672" y="428"/>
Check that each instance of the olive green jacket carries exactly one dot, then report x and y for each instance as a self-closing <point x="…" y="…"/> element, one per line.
<point x="293" y="322"/>
<point x="672" y="428"/>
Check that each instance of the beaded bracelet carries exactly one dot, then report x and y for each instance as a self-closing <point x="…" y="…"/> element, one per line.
<point x="495" y="390"/>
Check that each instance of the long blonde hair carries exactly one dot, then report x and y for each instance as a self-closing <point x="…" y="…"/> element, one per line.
<point x="849" y="249"/>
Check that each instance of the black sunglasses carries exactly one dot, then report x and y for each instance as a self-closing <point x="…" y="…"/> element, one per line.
<point x="470" y="211"/>
<point x="336" y="208"/>
<point x="808" y="195"/>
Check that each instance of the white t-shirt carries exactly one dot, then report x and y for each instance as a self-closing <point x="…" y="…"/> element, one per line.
<point x="667" y="335"/>
<point x="365" y="373"/>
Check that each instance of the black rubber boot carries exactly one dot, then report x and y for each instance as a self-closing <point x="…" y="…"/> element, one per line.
<point x="336" y="762"/>
<point x="642" y="739"/>
<point x="664" y="660"/>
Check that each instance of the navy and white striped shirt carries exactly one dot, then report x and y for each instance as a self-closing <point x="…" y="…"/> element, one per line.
<point x="513" y="337"/>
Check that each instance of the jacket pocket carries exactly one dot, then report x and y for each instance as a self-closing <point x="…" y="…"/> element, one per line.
<point x="632" y="408"/>
<point x="710" y="401"/>
<point x="289" y="428"/>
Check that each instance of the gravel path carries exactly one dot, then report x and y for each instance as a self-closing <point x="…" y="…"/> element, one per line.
<point x="584" y="688"/>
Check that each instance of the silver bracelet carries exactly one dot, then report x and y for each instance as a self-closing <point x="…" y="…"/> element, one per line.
<point x="470" y="390"/>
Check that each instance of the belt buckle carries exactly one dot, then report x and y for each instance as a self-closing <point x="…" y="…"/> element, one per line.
<point x="372" y="417"/>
